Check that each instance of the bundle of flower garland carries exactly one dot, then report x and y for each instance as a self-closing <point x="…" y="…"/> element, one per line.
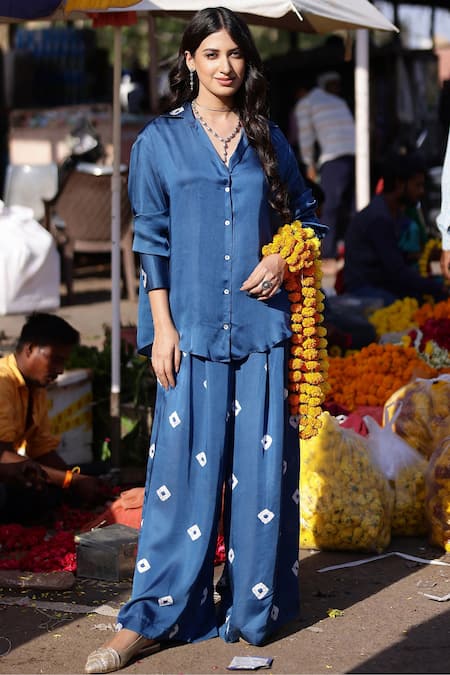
<point x="308" y="365"/>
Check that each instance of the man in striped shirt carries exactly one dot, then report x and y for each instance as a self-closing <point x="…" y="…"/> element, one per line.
<point x="326" y="139"/>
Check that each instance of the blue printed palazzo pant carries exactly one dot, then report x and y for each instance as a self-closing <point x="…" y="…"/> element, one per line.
<point x="223" y="423"/>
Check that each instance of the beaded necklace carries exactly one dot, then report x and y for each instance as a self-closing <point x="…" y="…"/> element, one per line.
<point x="225" y="141"/>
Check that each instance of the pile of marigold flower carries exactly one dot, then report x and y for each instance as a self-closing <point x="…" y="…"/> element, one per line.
<point x="398" y="316"/>
<point x="370" y="376"/>
<point x="406" y="313"/>
<point x="300" y="248"/>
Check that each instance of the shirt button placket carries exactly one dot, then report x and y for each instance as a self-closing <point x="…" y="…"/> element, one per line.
<point x="228" y="239"/>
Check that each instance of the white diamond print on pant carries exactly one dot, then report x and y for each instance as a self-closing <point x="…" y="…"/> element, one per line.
<point x="274" y="613"/>
<point x="236" y="407"/>
<point x="204" y="596"/>
<point x="143" y="565"/>
<point x="285" y="393"/>
<point x="296" y="496"/>
<point x="234" y="481"/>
<point x="174" y="419"/>
<point x="205" y="384"/>
<point x="194" y="532"/>
<point x="295" y="568"/>
<point x="231" y="555"/>
<point x="201" y="458"/>
<point x="165" y="601"/>
<point x="294" y="420"/>
<point x="163" y="493"/>
<point x="260" y="590"/>
<point x="266" y="441"/>
<point x="265" y="516"/>
<point x="284" y="467"/>
<point x="151" y="451"/>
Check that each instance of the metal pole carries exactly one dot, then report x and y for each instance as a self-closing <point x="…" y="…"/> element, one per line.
<point x="115" y="254"/>
<point x="362" y="119"/>
<point x="153" y="65"/>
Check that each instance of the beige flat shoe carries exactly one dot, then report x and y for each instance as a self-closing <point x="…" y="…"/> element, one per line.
<point x="108" y="659"/>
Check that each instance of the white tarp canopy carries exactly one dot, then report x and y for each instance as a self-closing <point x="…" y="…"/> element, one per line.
<point x="319" y="16"/>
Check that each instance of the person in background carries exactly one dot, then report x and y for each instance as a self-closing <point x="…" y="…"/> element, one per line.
<point x="375" y="263"/>
<point x="443" y="219"/>
<point x="325" y="120"/>
<point x="211" y="182"/>
<point x="44" y="345"/>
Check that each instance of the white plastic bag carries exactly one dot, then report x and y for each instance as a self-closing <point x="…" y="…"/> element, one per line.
<point x="405" y="468"/>
<point x="29" y="264"/>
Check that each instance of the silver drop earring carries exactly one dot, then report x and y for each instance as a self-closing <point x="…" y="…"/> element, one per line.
<point x="191" y="80"/>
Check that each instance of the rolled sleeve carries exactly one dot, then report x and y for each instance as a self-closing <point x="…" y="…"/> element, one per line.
<point x="155" y="271"/>
<point x="148" y="199"/>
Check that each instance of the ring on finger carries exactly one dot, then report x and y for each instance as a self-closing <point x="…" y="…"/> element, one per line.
<point x="266" y="285"/>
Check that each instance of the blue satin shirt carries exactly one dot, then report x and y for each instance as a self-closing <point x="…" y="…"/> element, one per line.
<point x="199" y="226"/>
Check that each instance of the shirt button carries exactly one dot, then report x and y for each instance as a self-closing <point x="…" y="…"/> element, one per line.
<point x="227" y="189"/>
<point x="226" y="326"/>
<point x="227" y="222"/>
<point x="226" y="291"/>
<point x="226" y="257"/>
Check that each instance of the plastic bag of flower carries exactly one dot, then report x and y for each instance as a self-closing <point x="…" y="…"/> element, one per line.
<point x="424" y="419"/>
<point x="405" y="468"/>
<point x="438" y="495"/>
<point x="345" y="501"/>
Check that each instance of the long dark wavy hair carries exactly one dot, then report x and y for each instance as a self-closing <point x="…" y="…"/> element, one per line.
<point x="250" y="100"/>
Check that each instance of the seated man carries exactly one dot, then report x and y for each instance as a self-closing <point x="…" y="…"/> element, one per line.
<point x="44" y="345"/>
<point x="375" y="264"/>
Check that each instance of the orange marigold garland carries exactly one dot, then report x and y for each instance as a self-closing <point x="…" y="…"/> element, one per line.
<point x="308" y="365"/>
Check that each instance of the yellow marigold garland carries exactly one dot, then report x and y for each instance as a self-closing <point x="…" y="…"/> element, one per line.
<point x="308" y="365"/>
<point x="433" y="245"/>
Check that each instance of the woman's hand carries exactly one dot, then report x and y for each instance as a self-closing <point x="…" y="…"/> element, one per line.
<point x="166" y="355"/>
<point x="266" y="278"/>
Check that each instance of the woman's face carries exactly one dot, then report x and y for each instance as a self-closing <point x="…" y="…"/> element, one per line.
<point x="220" y="66"/>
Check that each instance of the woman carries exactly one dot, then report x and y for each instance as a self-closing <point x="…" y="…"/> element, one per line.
<point x="210" y="183"/>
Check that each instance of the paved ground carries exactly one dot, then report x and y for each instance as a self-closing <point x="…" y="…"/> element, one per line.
<point x="387" y="624"/>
